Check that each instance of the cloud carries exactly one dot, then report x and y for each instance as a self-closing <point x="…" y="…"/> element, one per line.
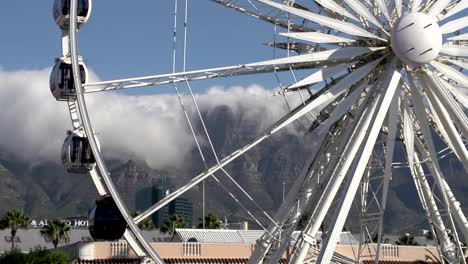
<point x="151" y="127"/>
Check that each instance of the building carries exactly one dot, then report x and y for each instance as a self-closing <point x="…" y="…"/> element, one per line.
<point x="180" y="206"/>
<point x="198" y="246"/>
<point x="183" y="208"/>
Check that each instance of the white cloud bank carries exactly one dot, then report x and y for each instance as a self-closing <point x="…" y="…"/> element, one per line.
<point x="152" y="128"/>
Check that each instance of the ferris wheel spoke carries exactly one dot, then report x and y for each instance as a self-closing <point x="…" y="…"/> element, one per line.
<point x="455" y="50"/>
<point x="429" y="149"/>
<point x="391" y="80"/>
<point x="333" y="6"/>
<point x="451" y="73"/>
<point x="383" y="8"/>
<point x="460" y="6"/>
<point x="306" y="61"/>
<point x="338" y="25"/>
<point x="317" y="37"/>
<point x="264" y="15"/>
<point x="459" y="37"/>
<point x="313" y="105"/>
<point x="318" y="76"/>
<point x="415" y="5"/>
<point x="364" y="12"/>
<point x="343" y="107"/>
<point x="454" y="25"/>
<point x="460" y="63"/>
<point x="444" y="121"/>
<point x="399" y="7"/>
<point x="438" y="7"/>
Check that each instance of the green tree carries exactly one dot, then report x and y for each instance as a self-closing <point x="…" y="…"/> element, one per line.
<point x="375" y="238"/>
<point x="211" y="222"/>
<point x="37" y="256"/>
<point x="14" y="257"/>
<point x="171" y="223"/>
<point x="43" y="256"/>
<point x="146" y="224"/>
<point x="406" y="240"/>
<point x="57" y="231"/>
<point x="14" y="219"/>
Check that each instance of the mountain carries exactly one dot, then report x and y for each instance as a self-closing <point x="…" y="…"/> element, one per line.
<point x="43" y="189"/>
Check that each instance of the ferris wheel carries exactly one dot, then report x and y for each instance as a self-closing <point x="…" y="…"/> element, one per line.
<point x="385" y="73"/>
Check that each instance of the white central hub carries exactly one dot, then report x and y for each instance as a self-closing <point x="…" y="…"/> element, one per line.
<point x="416" y="38"/>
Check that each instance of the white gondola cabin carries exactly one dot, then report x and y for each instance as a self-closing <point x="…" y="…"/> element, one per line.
<point x="105" y="220"/>
<point x="62" y="12"/>
<point x="61" y="83"/>
<point x="77" y="156"/>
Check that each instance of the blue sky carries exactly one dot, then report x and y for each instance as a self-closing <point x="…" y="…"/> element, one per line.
<point x="129" y="40"/>
<point x="134" y="38"/>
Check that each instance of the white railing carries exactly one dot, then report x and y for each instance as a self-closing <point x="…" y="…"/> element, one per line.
<point x="390" y="251"/>
<point x="191" y="249"/>
<point x="119" y="249"/>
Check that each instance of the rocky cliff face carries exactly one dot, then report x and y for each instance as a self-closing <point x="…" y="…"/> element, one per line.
<point x="46" y="190"/>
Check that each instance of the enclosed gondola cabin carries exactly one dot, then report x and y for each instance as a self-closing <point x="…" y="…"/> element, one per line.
<point x="62" y="12"/>
<point x="61" y="83"/>
<point x="105" y="220"/>
<point x="77" y="156"/>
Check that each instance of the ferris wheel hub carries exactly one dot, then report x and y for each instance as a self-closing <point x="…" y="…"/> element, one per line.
<point x="416" y="38"/>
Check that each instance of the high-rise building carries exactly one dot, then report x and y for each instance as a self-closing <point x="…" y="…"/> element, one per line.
<point x="183" y="208"/>
<point x="180" y="206"/>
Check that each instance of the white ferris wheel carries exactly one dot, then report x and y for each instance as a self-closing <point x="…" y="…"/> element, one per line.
<point x="385" y="73"/>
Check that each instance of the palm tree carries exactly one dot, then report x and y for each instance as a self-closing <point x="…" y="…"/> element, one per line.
<point x="406" y="240"/>
<point x="146" y="224"/>
<point x="171" y="223"/>
<point x="57" y="231"/>
<point x="14" y="219"/>
<point x="211" y="222"/>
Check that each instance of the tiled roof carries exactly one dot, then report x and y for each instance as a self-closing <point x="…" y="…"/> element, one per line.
<point x="210" y="235"/>
<point x="244" y="236"/>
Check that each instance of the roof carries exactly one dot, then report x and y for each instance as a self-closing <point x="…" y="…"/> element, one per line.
<point x="244" y="236"/>
<point x="346" y="238"/>
<point x="211" y="235"/>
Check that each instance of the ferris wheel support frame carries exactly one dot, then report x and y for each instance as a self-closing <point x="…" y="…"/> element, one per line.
<point x="441" y="106"/>
<point x="337" y="176"/>
<point x="265" y="244"/>
<point x="391" y="81"/>
<point x="429" y="149"/>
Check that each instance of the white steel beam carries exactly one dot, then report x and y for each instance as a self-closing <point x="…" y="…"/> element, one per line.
<point x="306" y="61"/>
<point x="338" y="25"/>
<point x="312" y="105"/>
<point x="455" y="50"/>
<point x="392" y="126"/>
<point x="392" y="80"/>
<point x="335" y="7"/>
<point x="419" y="111"/>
